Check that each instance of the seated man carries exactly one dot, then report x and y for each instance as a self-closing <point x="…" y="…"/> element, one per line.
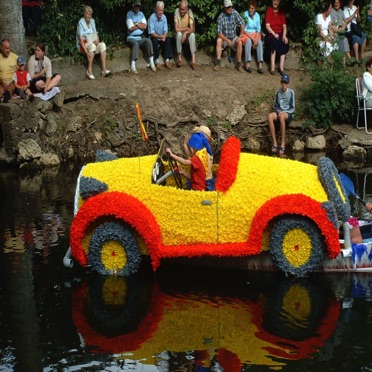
<point x="158" y="30"/>
<point x="184" y="26"/>
<point x="227" y="23"/>
<point x="8" y="66"/>
<point x="136" y="23"/>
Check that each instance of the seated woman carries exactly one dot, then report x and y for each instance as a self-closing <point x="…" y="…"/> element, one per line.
<point x="40" y="69"/>
<point x="339" y="29"/>
<point x="352" y="16"/>
<point x="276" y="40"/>
<point x="324" y="24"/>
<point x="252" y="31"/>
<point x="86" y="27"/>
<point x="367" y="83"/>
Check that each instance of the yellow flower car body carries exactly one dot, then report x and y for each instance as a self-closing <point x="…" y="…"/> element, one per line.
<point x="253" y="192"/>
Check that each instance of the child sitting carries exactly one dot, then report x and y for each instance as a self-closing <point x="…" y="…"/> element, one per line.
<point x="22" y="80"/>
<point x="200" y="152"/>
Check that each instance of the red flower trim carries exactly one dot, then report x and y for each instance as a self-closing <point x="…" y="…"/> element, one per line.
<point x="134" y="212"/>
<point x="294" y="204"/>
<point x="228" y="167"/>
<point x="121" y="206"/>
<point x="229" y="360"/>
<point x="130" y="341"/>
<point x="298" y="349"/>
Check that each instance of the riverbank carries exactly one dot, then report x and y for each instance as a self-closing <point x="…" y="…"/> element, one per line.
<point x="101" y="114"/>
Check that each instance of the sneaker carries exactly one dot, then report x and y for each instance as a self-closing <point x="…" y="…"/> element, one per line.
<point x="239" y="68"/>
<point x="158" y="67"/>
<point x="168" y="65"/>
<point x="89" y="76"/>
<point x="153" y="68"/>
<point x="6" y="96"/>
<point x="248" y="69"/>
<point x="107" y="72"/>
<point x="134" y="70"/>
<point x="260" y="71"/>
<point x="216" y="68"/>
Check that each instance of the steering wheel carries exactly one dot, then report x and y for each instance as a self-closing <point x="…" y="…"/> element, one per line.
<point x="174" y="169"/>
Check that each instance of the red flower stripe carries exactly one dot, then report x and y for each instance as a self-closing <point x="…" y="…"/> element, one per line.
<point x="297" y="350"/>
<point x="228" y="166"/>
<point x="121" y="206"/>
<point x="134" y="212"/>
<point x="294" y="204"/>
<point x="229" y="360"/>
<point x="130" y="341"/>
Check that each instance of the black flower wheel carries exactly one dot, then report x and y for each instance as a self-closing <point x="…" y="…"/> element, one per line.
<point x="330" y="179"/>
<point x="113" y="250"/>
<point x="296" y="245"/>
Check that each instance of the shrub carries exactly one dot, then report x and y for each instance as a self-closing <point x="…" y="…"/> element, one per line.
<point x="330" y="97"/>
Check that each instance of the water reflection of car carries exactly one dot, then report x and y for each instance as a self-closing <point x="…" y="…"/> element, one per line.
<point x="268" y="324"/>
<point x="261" y="203"/>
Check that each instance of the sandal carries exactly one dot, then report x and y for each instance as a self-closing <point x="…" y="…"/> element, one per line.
<point x="274" y="149"/>
<point x="281" y="150"/>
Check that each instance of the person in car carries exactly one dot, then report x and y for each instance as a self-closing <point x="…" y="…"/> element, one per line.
<point x="198" y="161"/>
<point x="210" y="179"/>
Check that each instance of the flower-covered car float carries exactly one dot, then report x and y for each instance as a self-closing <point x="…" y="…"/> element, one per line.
<point x="133" y="206"/>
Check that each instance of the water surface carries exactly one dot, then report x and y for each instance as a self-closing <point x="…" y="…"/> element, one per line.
<point x="183" y="318"/>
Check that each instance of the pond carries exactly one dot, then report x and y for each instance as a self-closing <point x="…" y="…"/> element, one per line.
<point x="183" y="318"/>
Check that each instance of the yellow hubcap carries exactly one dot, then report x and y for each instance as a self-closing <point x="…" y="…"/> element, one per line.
<point x="114" y="290"/>
<point x="113" y="256"/>
<point x="297" y="305"/>
<point x="297" y="247"/>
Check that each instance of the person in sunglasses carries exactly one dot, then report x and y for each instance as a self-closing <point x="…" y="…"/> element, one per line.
<point x="284" y="108"/>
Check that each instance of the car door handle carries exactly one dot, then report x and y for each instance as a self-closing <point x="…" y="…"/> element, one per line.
<point x="206" y="202"/>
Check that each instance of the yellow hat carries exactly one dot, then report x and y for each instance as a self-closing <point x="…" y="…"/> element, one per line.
<point x="203" y="129"/>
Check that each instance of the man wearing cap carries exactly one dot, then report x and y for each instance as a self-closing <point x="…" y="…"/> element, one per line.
<point x="227" y="23"/>
<point x="8" y="66"/>
<point x="158" y="30"/>
<point x="184" y="26"/>
<point x="284" y="108"/>
<point x="137" y="24"/>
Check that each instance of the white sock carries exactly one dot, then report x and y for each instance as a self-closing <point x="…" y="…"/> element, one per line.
<point x="167" y="60"/>
<point x="133" y="65"/>
<point x="157" y="62"/>
<point x="151" y="60"/>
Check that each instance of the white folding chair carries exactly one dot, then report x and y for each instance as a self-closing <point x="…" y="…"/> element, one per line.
<point x="361" y="105"/>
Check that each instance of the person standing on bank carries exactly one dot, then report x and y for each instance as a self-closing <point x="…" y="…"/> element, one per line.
<point x="227" y="24"/>
<point x="284" y="108"/>
<point x="86" y="29"/>
<point x="158" y="30"/>
<point x="137" y="24"/>
<point x="184" y="26"/>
